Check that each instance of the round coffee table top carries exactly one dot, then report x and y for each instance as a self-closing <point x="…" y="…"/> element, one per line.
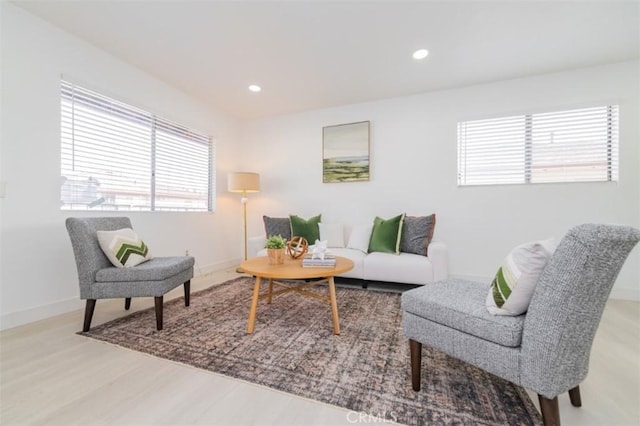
<point x="292" y="268"/>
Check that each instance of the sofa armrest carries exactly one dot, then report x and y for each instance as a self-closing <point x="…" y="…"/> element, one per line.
<point x="254" y="245"/>
<point x="438" y="254"/>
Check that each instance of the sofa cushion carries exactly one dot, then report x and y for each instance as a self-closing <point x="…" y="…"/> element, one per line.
<point x="356" y="256"/>
<point x="277" y="226"/>
<point x="513" y="286"/>
<point x="123" y="247"/>
<point x="441" y="303"/>
<point x="417" y="232"/>
<point x="360" y="237"/>
<point x="332" y="233"/>
<point x="403" y="268"/>
<point x="386" y="234"/>
<point x="305" y="228"/>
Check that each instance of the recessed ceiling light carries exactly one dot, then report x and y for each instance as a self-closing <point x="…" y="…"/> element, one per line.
<point x="255" y="88"/>
<point x="420" y="54"/>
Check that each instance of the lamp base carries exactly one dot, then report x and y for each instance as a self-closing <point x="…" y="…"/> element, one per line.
<point x="239" y="270"/>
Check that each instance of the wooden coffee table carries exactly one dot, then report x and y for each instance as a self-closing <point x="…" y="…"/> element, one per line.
<point x="292" y="270"/>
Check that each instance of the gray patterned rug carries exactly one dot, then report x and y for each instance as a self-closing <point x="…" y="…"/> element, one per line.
<point x="293" y="349"/>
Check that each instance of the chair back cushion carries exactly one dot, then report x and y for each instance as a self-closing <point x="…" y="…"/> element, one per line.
<point x="84" y="240"/>
<point x="567" y="305"/>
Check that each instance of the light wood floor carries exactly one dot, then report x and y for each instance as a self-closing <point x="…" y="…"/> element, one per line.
<point x="49" y="375"/>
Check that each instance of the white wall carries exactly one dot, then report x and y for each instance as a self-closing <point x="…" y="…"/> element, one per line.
<point x="38" y="275"/>
<point x="413" y="168"/>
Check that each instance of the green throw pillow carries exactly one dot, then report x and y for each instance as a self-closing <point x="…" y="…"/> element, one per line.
<point x="307" y="229"/>
<point x="386" y="235"/>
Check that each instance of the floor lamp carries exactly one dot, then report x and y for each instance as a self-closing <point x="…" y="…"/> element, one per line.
<point x="243" y="182"/>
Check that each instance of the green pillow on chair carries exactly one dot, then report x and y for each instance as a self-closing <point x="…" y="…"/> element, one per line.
<point x="386" y="235"/>
<point x="307" y="229"/>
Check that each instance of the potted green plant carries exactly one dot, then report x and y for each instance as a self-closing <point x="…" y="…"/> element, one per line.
<point x="275" y="246"/>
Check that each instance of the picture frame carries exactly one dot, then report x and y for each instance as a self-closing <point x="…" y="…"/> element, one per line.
<point x="345" y="152"/>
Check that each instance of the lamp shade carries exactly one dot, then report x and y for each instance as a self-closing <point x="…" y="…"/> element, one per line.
<point x="243" y="182"/>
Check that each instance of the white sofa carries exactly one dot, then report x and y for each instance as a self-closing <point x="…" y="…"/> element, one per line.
<point x="405" y="268"/>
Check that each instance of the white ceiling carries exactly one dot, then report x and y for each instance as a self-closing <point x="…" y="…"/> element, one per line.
<point x="313" y="54"/>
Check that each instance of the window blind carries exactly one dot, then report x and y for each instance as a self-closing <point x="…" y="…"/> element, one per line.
<point x="118" y="157"/>
<point x="578" y="145"/>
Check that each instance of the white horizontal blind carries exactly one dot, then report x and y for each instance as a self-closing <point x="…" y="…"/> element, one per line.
<point x="565" y="146"/>
<point x="118" y="157"/>
<point x="182" y="168"/>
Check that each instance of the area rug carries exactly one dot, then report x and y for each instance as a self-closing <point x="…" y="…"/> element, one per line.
<point x="293" y="349"/>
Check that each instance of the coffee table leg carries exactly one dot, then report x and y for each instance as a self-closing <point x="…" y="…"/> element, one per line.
<point x="334" y="306"/>
<point x="270" y="291"/>
<point x="254" y="305"/>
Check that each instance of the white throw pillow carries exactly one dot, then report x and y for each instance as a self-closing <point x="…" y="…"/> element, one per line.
<point x="359" y="239"/>
<point x="513" y="286"/>
<point x="123" y="247"/>
<point x="332" y="233"/>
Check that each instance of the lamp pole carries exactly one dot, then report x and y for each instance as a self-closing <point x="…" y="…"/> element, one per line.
<point x="243" y="182"/>
<point x="244" y="200"/>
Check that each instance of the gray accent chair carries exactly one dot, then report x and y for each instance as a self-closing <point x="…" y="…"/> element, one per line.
<point x="99" y="279"/>
<point x="545" y="350"/>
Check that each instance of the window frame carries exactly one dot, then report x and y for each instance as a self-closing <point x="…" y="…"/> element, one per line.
<point x="611" y="146"/>
<point x="155" y="130"/>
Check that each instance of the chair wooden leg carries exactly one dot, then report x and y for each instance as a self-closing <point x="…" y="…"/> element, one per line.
<point x="574" y="396"/>
<point x="416" y="360"/>
<point x="88" y="314"/>
<point x="550" y="411"/>
<point x="187" y="293"/>
<point x="127" y="303"/>
<point x="158" y="303"/>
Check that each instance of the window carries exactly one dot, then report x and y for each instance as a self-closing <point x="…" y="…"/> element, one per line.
<point x="118" y="157"/>
<point x="566" y="146"/>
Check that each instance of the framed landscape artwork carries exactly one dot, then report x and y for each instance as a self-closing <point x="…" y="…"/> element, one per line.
<point x="345" y="152"/>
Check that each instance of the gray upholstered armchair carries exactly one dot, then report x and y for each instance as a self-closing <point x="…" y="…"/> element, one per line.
<point x="545" y="350"/>
<point x="99" y="279"/>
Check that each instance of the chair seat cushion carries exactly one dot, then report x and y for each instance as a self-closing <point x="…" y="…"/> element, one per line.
<point x="460" y="305"/>
<point x="156" y="269"/>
